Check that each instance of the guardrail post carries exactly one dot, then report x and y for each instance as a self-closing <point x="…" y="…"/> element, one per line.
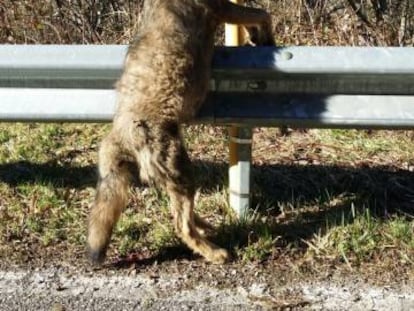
<point x="239" y="171"/>
<point x="239" y="146"/>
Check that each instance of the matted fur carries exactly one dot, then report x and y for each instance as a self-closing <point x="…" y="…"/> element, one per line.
<point x="164" y="82"/>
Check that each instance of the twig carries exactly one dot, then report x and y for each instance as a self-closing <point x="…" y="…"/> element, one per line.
<point x="310" y="13"/>
<point x="403" y="23"/>
<point x="358" y="11"/>
<point x="55" y="30"/>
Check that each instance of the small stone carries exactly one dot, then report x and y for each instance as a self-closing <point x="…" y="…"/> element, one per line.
<point x="257" y="289"/>
<point x="40" y="279"/>
<point x="57" y="307"/>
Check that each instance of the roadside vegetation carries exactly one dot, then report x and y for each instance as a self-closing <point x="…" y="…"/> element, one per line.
<point x="320" y="197"/>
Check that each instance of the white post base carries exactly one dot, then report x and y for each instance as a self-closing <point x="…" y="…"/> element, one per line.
<point x="239" y="171"/>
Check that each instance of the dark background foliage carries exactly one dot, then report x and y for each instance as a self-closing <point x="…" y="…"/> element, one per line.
<point x="298" y="22"/>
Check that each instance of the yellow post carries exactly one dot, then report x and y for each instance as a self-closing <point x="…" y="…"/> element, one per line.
<point x="232" y="32"/>
<point x="232" y="38"/>
<point x="239" y="146"/>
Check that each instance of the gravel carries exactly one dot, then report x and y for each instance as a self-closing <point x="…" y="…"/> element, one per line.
<point x="57" y="290"/>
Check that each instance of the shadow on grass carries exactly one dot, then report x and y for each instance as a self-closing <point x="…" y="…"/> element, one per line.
<point x="271" y="184"/>
<point x="25" y="172"/>
<point x="383" y="189"/>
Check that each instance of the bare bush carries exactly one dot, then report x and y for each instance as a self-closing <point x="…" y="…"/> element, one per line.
<point x="298" y="22"/>
<point x="68" y="21"/>
<point x="344" y="22"/>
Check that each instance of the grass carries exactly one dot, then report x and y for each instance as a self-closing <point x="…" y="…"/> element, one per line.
<point x="364" y="238"/>
<point x="319" y="196"/>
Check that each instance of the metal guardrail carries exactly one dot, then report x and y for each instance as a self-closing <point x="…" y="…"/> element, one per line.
<point x="296" y="86"/>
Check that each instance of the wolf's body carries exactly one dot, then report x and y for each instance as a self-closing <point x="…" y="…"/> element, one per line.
<point x="165" y="80"/>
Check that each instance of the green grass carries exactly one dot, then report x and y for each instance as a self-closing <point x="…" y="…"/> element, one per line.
<point x="364" y="238"/>
<point x="318" y="196"/>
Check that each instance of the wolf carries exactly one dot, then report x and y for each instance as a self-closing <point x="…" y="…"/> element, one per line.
<point x="164" y="82"/>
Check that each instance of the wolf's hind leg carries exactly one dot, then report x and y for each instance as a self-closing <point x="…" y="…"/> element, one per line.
<point x="188" y="225"/>
<point x="111" y="197"/>
<point x="172" y="169"/>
